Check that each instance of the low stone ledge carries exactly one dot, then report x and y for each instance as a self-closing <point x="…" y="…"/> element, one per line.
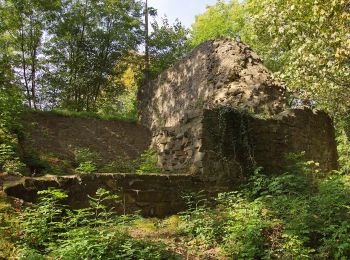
<point x="156" y="195"/>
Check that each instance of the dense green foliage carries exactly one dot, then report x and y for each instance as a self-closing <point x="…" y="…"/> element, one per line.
<point x="65" y="51"/>
<point x="168" y="43"/>
<point x="88" y="40"/>
<point x="300" y="214"/>
<point x="75" y="58"/>
<point x="10" y="130"/>
<point x="74" y="54"/>
<point x="8" y="229"/>
<point x="87" y="161"/>
<point x="82" y="58"/>
<point x="51" y="229"/>
<point x="220" y="20"/>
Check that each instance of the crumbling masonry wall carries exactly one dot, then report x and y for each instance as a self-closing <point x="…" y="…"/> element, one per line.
<point x="237" y="142"/>
<point x="214" y="116"/>
<point x="153" y="195"/>
<point x="182" y="108"/>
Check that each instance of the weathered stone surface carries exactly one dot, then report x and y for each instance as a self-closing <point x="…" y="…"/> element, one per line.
<point x="152" y="194"/>
<point x="216" y="73"/>
<point x="183" y="108"/>
<point x="236" y="142"/>
<point x="48" y="133"/>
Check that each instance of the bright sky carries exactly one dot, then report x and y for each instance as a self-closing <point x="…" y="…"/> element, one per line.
<point x="185" y="10"/>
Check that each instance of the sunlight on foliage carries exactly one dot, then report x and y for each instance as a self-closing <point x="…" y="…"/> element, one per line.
<point x="53" y="230"/>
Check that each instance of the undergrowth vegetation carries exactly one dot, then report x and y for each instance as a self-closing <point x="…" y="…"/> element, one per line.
<point x="50" y="229"/>
<point x="8" y="229"/>
<point x="300" y="214"/>
<point x="297" y="215"/>
<point x="10" y="130"/>
<point x="88" y="162"/>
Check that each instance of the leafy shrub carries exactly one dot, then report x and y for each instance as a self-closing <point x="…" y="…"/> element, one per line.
<point x="6" y="153"/>
<point x="108" y="243"/>
<point x="86" y="160"/>
<point x="9" y="162"/>
<point x="11" y="109"/>
<point x="35" y="163"/>
<point x="14" y="167"/>
<point x="244" y="228"/>
<point x="85" y="155"/>
<point x="8" y="229"/>
<point x="330" y="218"/>
<point x="86" y="167"/>
<point x="299" y="214"/>
<point x="199" y="222"/>
<point x="58" y="165"/>
<point x="148" y="162"/>
<point x="42" y="223"/>
<point x="52" y="230"/>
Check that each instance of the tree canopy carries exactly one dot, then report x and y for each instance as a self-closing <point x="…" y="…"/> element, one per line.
<point x="72" y="54"/>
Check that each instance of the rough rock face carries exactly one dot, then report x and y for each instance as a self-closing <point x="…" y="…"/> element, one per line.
<point x="216" y="73"/>
<point x="184" y="109"/>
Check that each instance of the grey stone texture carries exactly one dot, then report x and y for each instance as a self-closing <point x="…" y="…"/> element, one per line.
<point x="225" y="82"/>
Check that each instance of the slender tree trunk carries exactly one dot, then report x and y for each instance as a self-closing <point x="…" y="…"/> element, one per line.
<point x="35" y="42"/>
<point x="24" y="65"/>
<point x="34" y="63"/>
<point x="147" y="61"/>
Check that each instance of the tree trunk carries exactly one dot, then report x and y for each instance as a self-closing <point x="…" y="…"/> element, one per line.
<point x="147" y="61"/>
<point x="33" y="89"/>
<point x="24" y="65"/>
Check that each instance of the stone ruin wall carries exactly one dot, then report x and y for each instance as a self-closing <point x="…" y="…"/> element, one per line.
<point x="216" y="73"/>
<point x="237" y="143"/>
<point x="222" y="74"/>
<point x="153" y="195"/>
<point x="218" y="114"/>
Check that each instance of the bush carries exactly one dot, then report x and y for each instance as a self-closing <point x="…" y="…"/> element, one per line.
<point x="9" y="162"/>
<point x="148" y="162"/>
<point x="8" y="229"/>
<point x="199" y="222"/>
<point x="11" y="109"/>
<point x="86" y="167"/>
<point x="86" y="160"/>
<point x="51" y="230"/>
<point x="120" y="165"/>
<point x="299" y="214"/>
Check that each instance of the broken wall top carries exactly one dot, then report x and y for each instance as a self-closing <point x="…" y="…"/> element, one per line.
<point x="220" y="72"/>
